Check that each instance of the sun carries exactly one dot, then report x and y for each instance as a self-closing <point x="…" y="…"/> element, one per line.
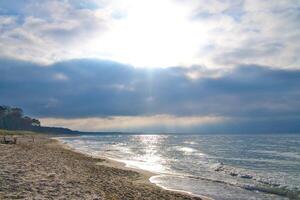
<point x="151" y="34"/>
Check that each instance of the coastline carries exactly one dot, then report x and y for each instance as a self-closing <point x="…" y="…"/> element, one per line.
<point x="126" y="153"/>
<point x="109" y="162"/>
<point x="146" y="175"/>
<point x="48" y="169"/>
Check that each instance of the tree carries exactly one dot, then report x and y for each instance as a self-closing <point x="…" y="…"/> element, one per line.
<point x="35" y="122"/>
<point x="12" y="118"/>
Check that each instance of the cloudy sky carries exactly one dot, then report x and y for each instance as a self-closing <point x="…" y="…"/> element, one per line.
<point x="153" y="66"/>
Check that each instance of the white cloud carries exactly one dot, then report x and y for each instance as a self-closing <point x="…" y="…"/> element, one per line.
<point x="49" y="31"/>
<point x="6" y="20"/>
<point x="131" y="123"/>
<point x="266" y="35"/>
<point x="160" y="33"/>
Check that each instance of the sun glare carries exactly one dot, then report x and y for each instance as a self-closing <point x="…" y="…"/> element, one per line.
<point x="149" y="35"/>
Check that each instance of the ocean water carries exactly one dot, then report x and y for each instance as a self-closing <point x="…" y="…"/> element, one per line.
<point x="217" y="166"/>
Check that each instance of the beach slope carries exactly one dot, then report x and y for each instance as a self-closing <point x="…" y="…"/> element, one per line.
<point x="44" y="169"/>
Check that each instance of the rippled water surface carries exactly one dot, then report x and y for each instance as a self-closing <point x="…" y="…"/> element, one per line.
<point x="219" y="166"/>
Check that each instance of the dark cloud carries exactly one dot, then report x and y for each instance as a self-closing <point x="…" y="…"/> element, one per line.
<point x="92" y="88"/>
<point x="251" y="125"/>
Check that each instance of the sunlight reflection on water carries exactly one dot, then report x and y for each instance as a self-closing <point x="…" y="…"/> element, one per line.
<point x="150" y="159"/>
<point x="206" y="164"/>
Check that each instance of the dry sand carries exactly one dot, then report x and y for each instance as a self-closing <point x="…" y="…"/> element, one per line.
<point x="44" y="169"/>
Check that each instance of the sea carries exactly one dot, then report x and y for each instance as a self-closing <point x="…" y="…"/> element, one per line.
<point x="248" y="166"/>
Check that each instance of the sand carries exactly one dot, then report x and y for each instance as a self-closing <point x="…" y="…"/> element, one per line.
<point x="45" y="169"/>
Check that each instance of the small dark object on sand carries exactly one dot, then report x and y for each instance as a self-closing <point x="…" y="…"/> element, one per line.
<point x="9" y="141"/>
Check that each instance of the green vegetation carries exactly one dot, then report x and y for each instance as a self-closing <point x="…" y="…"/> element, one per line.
<point x="12" y="133"/>
<point x="12" y="118"/>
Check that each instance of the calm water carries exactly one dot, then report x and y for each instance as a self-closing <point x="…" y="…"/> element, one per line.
<point x="219" y="166"/>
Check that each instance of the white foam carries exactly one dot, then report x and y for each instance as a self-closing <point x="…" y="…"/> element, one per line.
<point x="187" y="149"/>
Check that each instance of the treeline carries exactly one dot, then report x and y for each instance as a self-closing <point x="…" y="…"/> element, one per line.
<point x="12" y="118"/>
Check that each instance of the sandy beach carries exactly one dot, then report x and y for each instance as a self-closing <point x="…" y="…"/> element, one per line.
<point x="45" y="169"/>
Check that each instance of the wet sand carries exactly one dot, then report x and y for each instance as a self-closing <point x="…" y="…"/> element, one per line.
<point x="46" y="169"/>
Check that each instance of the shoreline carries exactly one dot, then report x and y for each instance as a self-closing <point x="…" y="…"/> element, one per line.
<point x="45" y="169"/>
<point x="108" y="162"/>
<point x="147" y="175"/>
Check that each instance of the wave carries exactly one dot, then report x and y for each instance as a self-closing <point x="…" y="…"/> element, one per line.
<point x="188" y="150"/>
<point x="190" y="142"/>
<point x="262" y="185"/>
<point x="216" y="173"/>
<point x="283" y="191"/>
<point x="294" y="155"/>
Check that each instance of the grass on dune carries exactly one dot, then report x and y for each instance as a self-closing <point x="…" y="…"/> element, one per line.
<point x="7" y="132"/>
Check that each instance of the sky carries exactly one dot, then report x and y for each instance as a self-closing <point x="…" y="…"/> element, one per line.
<point x="199" y="66"/>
